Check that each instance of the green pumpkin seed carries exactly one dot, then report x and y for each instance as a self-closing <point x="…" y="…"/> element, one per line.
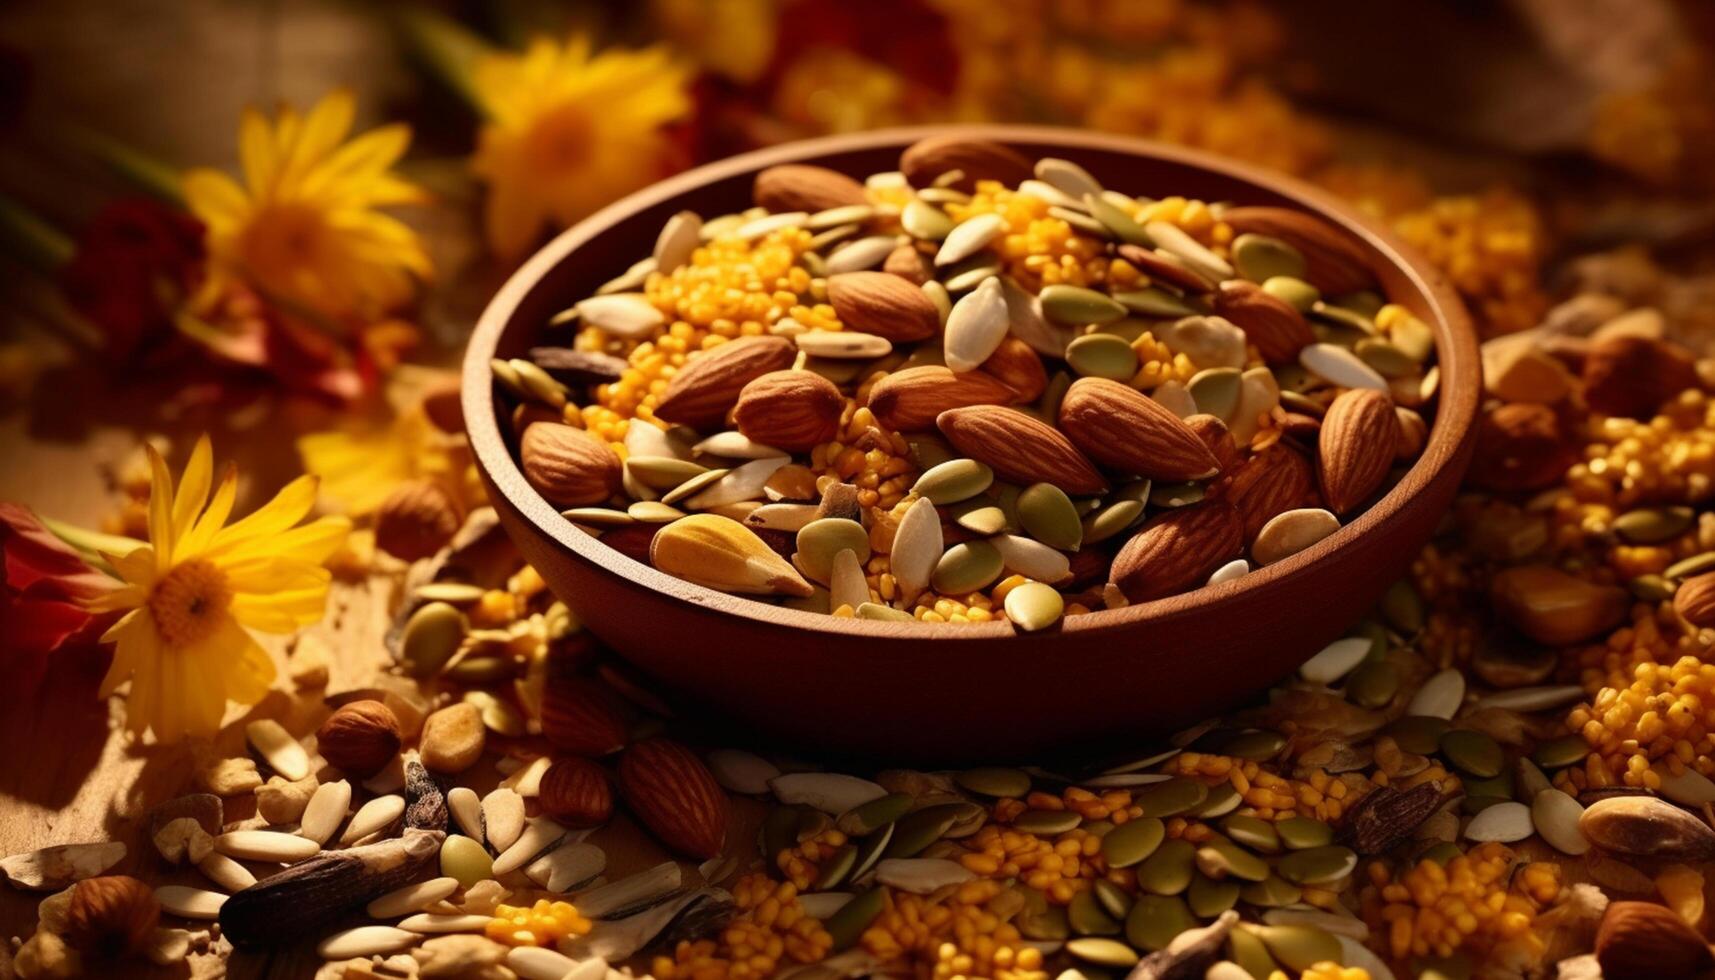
<point x="820" y="540"/>
<point x="1175" y="241"/>
<point x="953" y="481"/>
<point x="1402" y="607"/>
<point x="1080" y="221"/>
<point x="1261" y="257"/>
<point x="1156" y="920"/>
<point x="917" y="830"/>
<point x="1414" y="337"/>
<point x="1652" y="525"/>
<point x="693" y="486"/>
<point x="1318" y="865"/>
<point x="995" y="781"/>
<point x="1034" y="606"/>
<point x="1047" y="823"/>
<point x="1048" y="925"/>
<point x="1299" y="947"/>
<point x="1053" y="394"/>
<point x="1388" y="360"/>
<point x="1216" y="391"/>
<point x="1560" y="752"/>
<point x="836" y="868"/>
<point x="432" y="635"/>
<point x="1348" y="326"/>
<point x="1271" y="893"/>
<point x="1687" y="567"/>
<point x="653" y="512"/>
<point x="848" y="924"/>
<point x="779" y="832"/>
<point x="1367" y="302"/>
<point x="1087" y="917"/>
<point x="1121" y="225"/>
<point x="984" y="519"/>
<point x="1473" y="805"/>
<point x="539" y="383"/>
<point x="481" y="670"/>
<point x="1172" y="797"/>
<point x="1251" y="955"/>
<point x="1113" y="899"/>
<point x="1501" y="786"/>
<point x="1133" y="841"/>
<point x="873" y="610"/>
<point x="1417" y="734"/>
<point x="1456" y="967"/>
<point x="662" y="472"/>
<point x="1155" y="301"/>
<point x="866" y="819"/>
<point x="1302" y="833"/>
<point x="847" y="214"/>
<point x="1209" y="898"/>
<point x="1473" y="752"/>
<point x="1168" y="871"/>
<point x="1651" y="588"/>
<point x="1221" y="858"/>
<point x="1373" y="685"/>
<point x="1048" y="515"/>
<point x="967" y="567"/>
<point x="925" y="221"/>
<point x="1253" y="832"/>
<point x="1102" y="356"/>
<point x="1102" y="952"/>
<point x="1222" y="800"/>
<point x="1175" y="494"/>
<point x="871" y="849"/>
<point x="1292" y="291"/>
<point x="1441" y="853"/>
<point x="1255" y="746"/>
<point x="1108" y="521"/>
<point x="1076" y="306"/>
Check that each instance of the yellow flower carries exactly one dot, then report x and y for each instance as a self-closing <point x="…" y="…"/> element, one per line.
<point x="303" y="227"/>
<point x="192" y="591"/>
<point x="567" y="132"/>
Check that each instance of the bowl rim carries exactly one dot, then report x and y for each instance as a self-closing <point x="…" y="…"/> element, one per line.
<point x="1457" y="397"/>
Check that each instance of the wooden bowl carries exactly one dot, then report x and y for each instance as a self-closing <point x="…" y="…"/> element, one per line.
<point x="949" y="692"/>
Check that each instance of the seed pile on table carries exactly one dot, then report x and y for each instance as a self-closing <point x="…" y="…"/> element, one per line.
<point x="975" y="389"/>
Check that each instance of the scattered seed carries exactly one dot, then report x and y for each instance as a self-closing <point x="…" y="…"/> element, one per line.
<point x="1132" y="842"/>
<point x="266" y="845"/>
<point x="1168" y="870"/>
<point x="624" y="315"/>
<point x="953" y="481"/>
<point x="1156" y="920"/>
<point x="1440" y="696"/>
<point x="1047" y="514"/>
<point x="1473" y="752"/>
<point x="830" y="792"/>
<point x="1260" y="258"/>
<point x="1034" y="606"/>
<point x="1292" y="531"/>
<point x="1505" y="821"/>
<point x="1337" y="365"/>
<point x="1555" y="815"/>
<point x="1335" y="660"/>
<point x="1301" y="833"/>
<point x="1104" y="952"/>
<point x="967" y="567"/>
<point x="189" y="903"/>
<point x="1102" y="356"/>
<point x="1318" y="865"/>
<point x="1077" y="306"/>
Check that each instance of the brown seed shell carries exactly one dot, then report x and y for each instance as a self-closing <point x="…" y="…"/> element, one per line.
<point x="791" y="410"/>
<point x="1020" y="447"/>
<point x="360" y="739"/>
<point x="1278" y="330"/>
<point x="910" y="400"/>
<point x="1122" y="428"/>
<point x="1647" y="827"/>
<point x="883" y="304"/>
<point x="1386" y="816"/>
<point x="804" y="187"/>
<point x="925" y="160"/>
<point x="568" y="466"/>
<point x="707" y="387"/>
<point x="1356" y="447"/>
<point x="416" y="520"/>
<point x="1178" y="550"/>
<point x="1334" y="260"/>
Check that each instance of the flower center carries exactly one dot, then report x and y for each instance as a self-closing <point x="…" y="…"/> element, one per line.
<point x="560" y="140"/>
<point x="188" y="602"/>
<point x="286" y="238"/>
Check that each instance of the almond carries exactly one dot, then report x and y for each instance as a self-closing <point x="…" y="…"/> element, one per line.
<point x="706" y="388"/>
<point x="575" y="792"/>
<point x="1178" y="550"/>
<point x="360" y="739"/>
<point x="1644" y="941"/>
<point x="802" y="187"/>
<point x="675" y="796"/>
<point x="1214" y="433"/>
<point x="111" y="916"/>
<point x="1356" y="446"/>
<point x="1020" y="447"/>
<point x="1520" y="447"/>
<point x="1632" y="376"/>
<point x="1334" y="260"/>
<point x="1278" y="331"/>
<point x="416" y="520"/>
<point x="1695" y="600"/>
<point x="791" y="410"/>
<point x="927" y="159"/>
<point x="1122" y="428"/>
<point x="883" y="304"/>
<point x="909" y="264"/>
<point x="1019" y="368"/>
<point x="910" y="400"/>
<point x="1270" y="483"/>
<point x="578" y="715"/>
<point x="568" y="466"/>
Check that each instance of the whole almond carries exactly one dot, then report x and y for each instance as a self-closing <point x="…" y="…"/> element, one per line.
<point x="675" y="796"/>
<point x="1645" y="941"/>
<point x="707" y="387"/>
<point x="1334" y="260"/>
<point x="1356" y="447"/>
<point x="1278" y="330"/>
<point x="1122" y="428"/>
<point x="1217" y="436"/>
<point x="1695" y="600"/>
<point x="1178" y="550"/>
<point x="1019" y="368"/>
<point x="927" y="159"/>
<point x="911" y="400"/>
<point x="360" y="739"/>
<point x="802" y="187"/>
<point x="579" y="716"/>
<point x="1020" y="447"/>
<point x="791" y="410"/>
<point x="416" y="520"/>
<point x="909" y="264"/>
<point x="568" y="466"/>
<point x="883" y="304"/>
<point x="575" y="792"/>
<point x="1272" y="482"/>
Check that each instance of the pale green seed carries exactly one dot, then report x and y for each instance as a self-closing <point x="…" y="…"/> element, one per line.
<point x="1102" y="356"/>
<point x="1053" y="394"/>
<point x="1047" y="823"/>
<point x="820" y="540"/>
<point x="1318" y="865"/>
<point x="873" y="610"/>
<point x="996" y="781"/>
<point x="1081" y="221"/>
<point x="1402" y="607"/>
<point x="953" y="481"/>
<point x="1255" y="746"/>
<point x="1271" y="893"/>
<point x="1559" y="752"/>
<point x="1128" y="329"/>
<point x="1216" y="391"/>
<point x="1087" y="917"/>
<point x="1292" y="291"/>
<point x="1366" y="302"/>
<point x="466" y="860"/>
<point x="653" y="512"/>
<point x="1102" y="952"/>
<point x="967" y="567"/>
<point x="917" y="830"/>
<point x="1352" y="325"/>
<point x="1156" y="920"/>
<point x="985" y="519"/>
<point x="1417" y="734"/>
<point x="1076" y="306"/>
<point x="1113" y="899"/>
<point x="1222" y="800"/>
<point x="1007" y="499"/>
<point x="1034" y="606"/>
<point x="598" y="517"/>
<point x="1172" y="797"/>
<point x="1108" y="521"/>
<point x="1116" y="221"/>
<point x="969" y="274"/>
<point x="1175" y="494"/>
<point x="541" y="385"/>
<point x="1168" y="871"/>
<point x="778" y="832"/>
<point x="1500" y="786"/>
<point x="1262" y="257"/>
<point x="847" y="214"/>
<point x="1155" y="301"/>
<point x="1046" y="925"/>
<point x="1299" y="947"/>
<point x="457" y="593"/>
<point x="693" y="486"/>
<point x="835" y="869"/>
<point x="1209" y="898"/>
<point x="1049" y="516"/>
<point x="1300" y="833"/>
<point x="1651" y="588"/>
<point x="871" y="849"/>
<point x="1373" y="684"/>
<point x="1221" y="858"/>
<point x="866" y="819"/>
<point x="1133" y="841"/>
<point x="1473" y="752"/>
<point x="481" y="670"/>
<point x="923" y="220"/>
<point x="1251" y="955"/>
<point x="1687" y="567"/>
<point x="1441" y="854"/>
<point x="848" y="924"/>
<point x="1652" y="525"/>
<point x="1414" y="337"/>
<point x="1253" y="832"/>
<point x="1388" y="360"/>
<point x="431" y="636"/>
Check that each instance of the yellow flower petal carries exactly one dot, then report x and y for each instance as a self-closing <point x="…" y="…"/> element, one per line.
<point x="193" y="487"/>
<point x="286" y="509"/>
<point x="280" y="612"/>
<point x="196" y="540"/>
<point x="160" y="507"/>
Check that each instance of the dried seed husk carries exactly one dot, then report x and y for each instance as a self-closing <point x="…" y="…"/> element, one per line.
<point x="1156" y="920"/>
<point x="308" y="896"/>
<point x="1646" y="827"/>
<point x="1386" y="816"/>
<point x="720" y="553"/>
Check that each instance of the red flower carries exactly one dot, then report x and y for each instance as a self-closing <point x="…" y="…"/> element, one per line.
<point x="135" y="263"/>
<point x="43" y="587"/>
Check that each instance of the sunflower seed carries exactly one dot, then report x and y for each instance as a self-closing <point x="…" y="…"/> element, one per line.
<point x="731" y="445"/>
<point x="1335" y="660"/>
<point x="679" y="237"/>
<point x="925" y="221"/>
<point x="629" y="281"/>
<point x="969" y="237"/>
<point x="1049" y="194"/>
<point x="1173" y="240"/>
<point x="1292" y="531"/>
<point x="376" y="815"/>
<point x="1440" y="696"/>
<point x="1318" y="865"/>
<point x="1340" y="366"/>
<point x="277" y="746"/>
<point x="790" y="518"/>
<point x="226" y="872"/>
<point x="1505" y="821"/>
<point x="365" y="941"/>
<point x="538" y="836"/>
<point x="862" y="254"/>
<point x="1032" y="559"/>
<point x="967" y="567"/>
<point x="830" y="792"/>
<point x="1529" y="699"/>
<point x="624" y="315"/>
<point x="411" y="898"/>
<point x="189" y="903"/>
<point x="848" y="214"/>
<point x="768" y="224"/>
<point x="733" y="486"/>
<point x="1102" y="356"/>
<point x="847" y="925"/>
<point x="842" y="344"/>
<point x="1555" y="816"/>
<point x="269" y="845"/>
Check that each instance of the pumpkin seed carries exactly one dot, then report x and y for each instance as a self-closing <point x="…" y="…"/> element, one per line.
<point x="871" y="849"/>
<point x="597" y="518"/>
<point x="820" y="540"/>
<point x="1271" y="893"/>
<point x="1087" y="917"/>
<point x="1222" y="800"/>
<point x="846" y="214"/>
<point x="921" y="876"/>
<point x="1156" y="920"/>
<point x="835" y="869"/>
<point x="1473" y="752"/>
<point x="1209" y="341"/>
<point x="861" y="255"/>
<point x="1173" y="240"/>
<point x="1388" y="360"/>
<point x="967" y="567"/>
<point x="1133" y="841"/>
<point x="1417" y="734"/>
<point x="1373" y="685"/>
<point x="1440" y="696"/>
<point x="1208" y="898"/>
<point x="1048" y="515"/>
<point x="1335" y="660"/>
<point x="976" y="326"/>
<point x="768" y="224"/>
<point x="1293" y="291"/>
<point x="995" y="781"/>
<point x="842" y="344"/>
<point x="790" y="518"/>
<point x="953" y="481"/>
<point x="971" y="273"/>
<point x="1505" y="821"/>
<point x="1067" y="177"/>
<point x="1557" y="753"/>
<point x="917" y="830"/>
<point x="1301" y="833"/>
<point x="1170" y="798"/>
<point x="1102" y="952"/>
<point x="985" y="520"/>
<point x="1175" y="494"/>
<point x="1260" y="258"/>
<point x="653" y="512"/>
<point x="923" y="220"/>
<point x="1034" y="606"/>
<point x="1116" y="222"/>
<point x="717" y="488"/>
<point x="1216" y="391"/>
<point x="1259" y="746"/>
<point x="1318" y="865"/>
<point x="1155" y="301"/>
<point x="1104" y="523"/>
<point x="1299" y="947"/>
<point x="1651" y="588"/>
<point x="943" y="303"/>
<point x="1251" y="955"/>
<point x="1253" y="832"/>
<point x="944" y="194"/>
<point x="1689" y="788"/>
<point x="432" y="635"/>
<point x="1076" y="306"/>
<point x="917" y="542"/>
<point x="1168" y="870"/>
<point x="1045" y="925"/>
<point x="1221" y="858"/>
<point x="1047" y="823"/>
<point x="848" y="924"/>
<point x="864" y="820"/>
<point x="1102" y="356"/>
<point x="1687" y="567"/>
<point x="1402" y="607"/>
<point x="1652" y="525"/>
<point x="969" y="237"/>
<point x="872" y="610"/>
<point x="1339" y="366"/>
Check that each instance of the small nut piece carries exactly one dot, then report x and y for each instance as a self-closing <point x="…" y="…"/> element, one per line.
<point x="184" y="837"/>
<point x="1695" y="600"/>
<point x="111" y="916"/>
<point x="229" y="777"/>
<point x="453" y="738"/>
<point x="282" y="800"/>
<point x="576" y="793"/>
<point x="416" y="520"/>
<point x="361" y="738"/>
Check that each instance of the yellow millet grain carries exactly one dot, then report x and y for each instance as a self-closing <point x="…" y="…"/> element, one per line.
<point x="1270" y="796"/>
<point x="1431" y="910"/>
<point x="542" y="924"/>
<point x="771" y="929"/>
<point x="1667" y="459"/>
<point x="964" y="933"/>
<point x="1158" y="364"/>
<point x="1662" y="721"/>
